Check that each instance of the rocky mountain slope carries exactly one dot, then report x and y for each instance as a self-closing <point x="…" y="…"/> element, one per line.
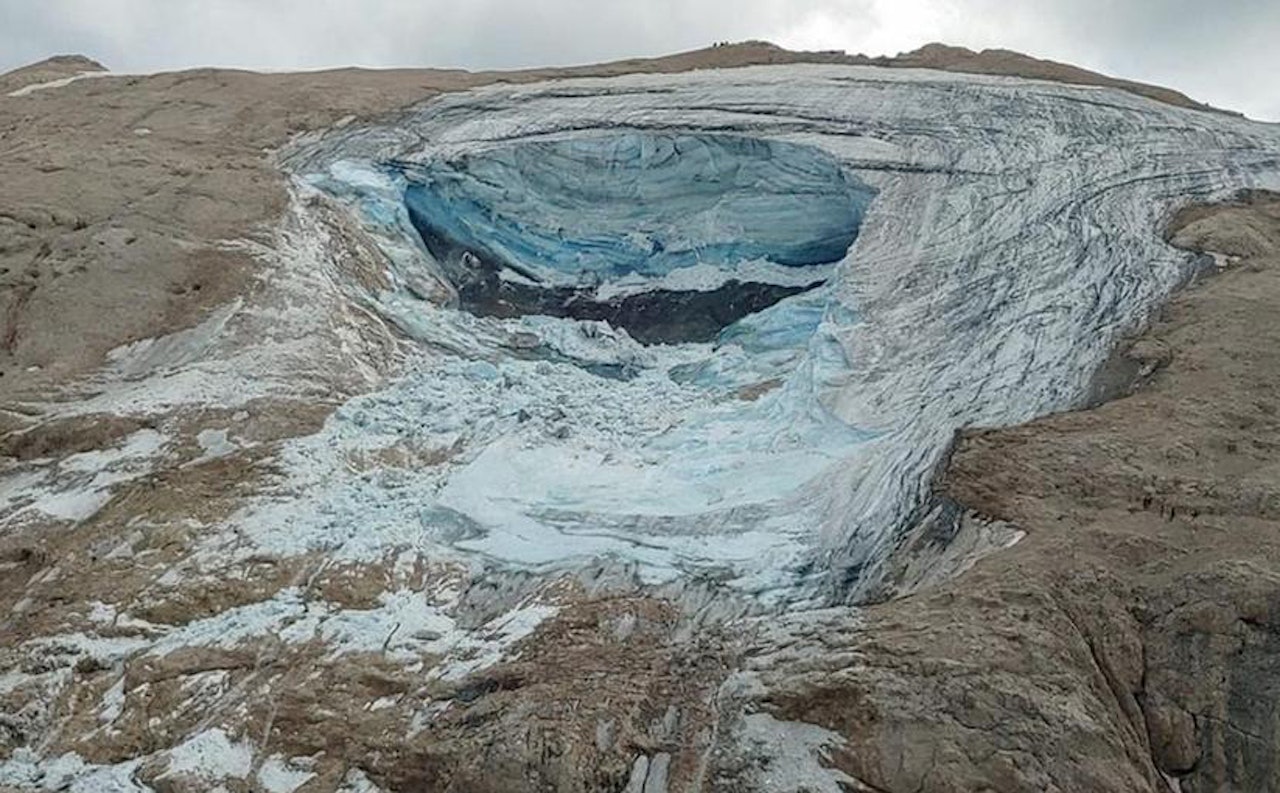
<point x="740" y="420"/>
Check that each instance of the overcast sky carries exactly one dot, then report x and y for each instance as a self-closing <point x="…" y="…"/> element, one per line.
<point x="1219" y="51"/>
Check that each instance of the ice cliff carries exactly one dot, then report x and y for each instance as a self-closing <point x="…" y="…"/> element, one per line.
<point x="607" y="227"/>
<point x="725" y="324"/>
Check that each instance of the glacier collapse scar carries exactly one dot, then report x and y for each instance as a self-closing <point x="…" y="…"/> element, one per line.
<point x="602" y="227"/>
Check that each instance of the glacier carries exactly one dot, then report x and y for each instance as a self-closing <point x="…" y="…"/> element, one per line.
<point x="899" y="255"/>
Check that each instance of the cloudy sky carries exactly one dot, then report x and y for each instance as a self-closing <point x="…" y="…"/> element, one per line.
<point x="1219" y="51"/>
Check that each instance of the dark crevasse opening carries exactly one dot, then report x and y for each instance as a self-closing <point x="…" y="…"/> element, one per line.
<point x="672" y="237"/>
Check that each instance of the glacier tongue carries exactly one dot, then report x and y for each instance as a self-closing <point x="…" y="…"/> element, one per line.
<point x="1012" y="239"/>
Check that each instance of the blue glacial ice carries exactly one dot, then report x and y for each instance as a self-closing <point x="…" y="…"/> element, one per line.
<point x="671" y="237"/>
<point x="954" y="251"/>
<point x="599" y="208"/>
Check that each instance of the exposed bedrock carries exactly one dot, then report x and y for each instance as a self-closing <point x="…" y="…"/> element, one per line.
<point x="659" y="316"/>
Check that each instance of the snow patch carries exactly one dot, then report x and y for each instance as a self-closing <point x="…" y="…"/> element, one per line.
<point x="61" y="82"/>
<point x="212" y="755"/>
<point x="214" y="443"/>
<point x="68" y="773"/>
<point x="406" y="626"/>
<point x="277" y="776"/>
<point x="797" y="755"/>
<point x="356" y="781"/>
<point x="76" y="487"/>
<point x="112" y="703"/>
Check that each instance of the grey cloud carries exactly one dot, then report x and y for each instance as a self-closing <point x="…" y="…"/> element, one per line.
<point x="1220" y="52"/>
<point x="149" y="34"/>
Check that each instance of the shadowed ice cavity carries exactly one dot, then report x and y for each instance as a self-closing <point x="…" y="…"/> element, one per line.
<point x="671" y="237"/>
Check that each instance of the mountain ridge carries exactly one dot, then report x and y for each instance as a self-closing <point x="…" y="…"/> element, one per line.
<point x="221" y="380"/>
<point x="933" y="55"/>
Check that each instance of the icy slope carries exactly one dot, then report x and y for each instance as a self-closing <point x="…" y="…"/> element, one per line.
<point x="1010" y="241"/>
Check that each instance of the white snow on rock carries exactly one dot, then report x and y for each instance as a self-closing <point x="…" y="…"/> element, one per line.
<point x="69" y="773"/>
<point x="277" y="776"/>
<point x="214" y="443"/>
<point x="357" y="781"/>
<point x="211" y="755"/>
<point x="76" y="487"/>
<point x="61" y="82"/>
<point x="112" y="702"/>
<point x="798" y="756"/>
